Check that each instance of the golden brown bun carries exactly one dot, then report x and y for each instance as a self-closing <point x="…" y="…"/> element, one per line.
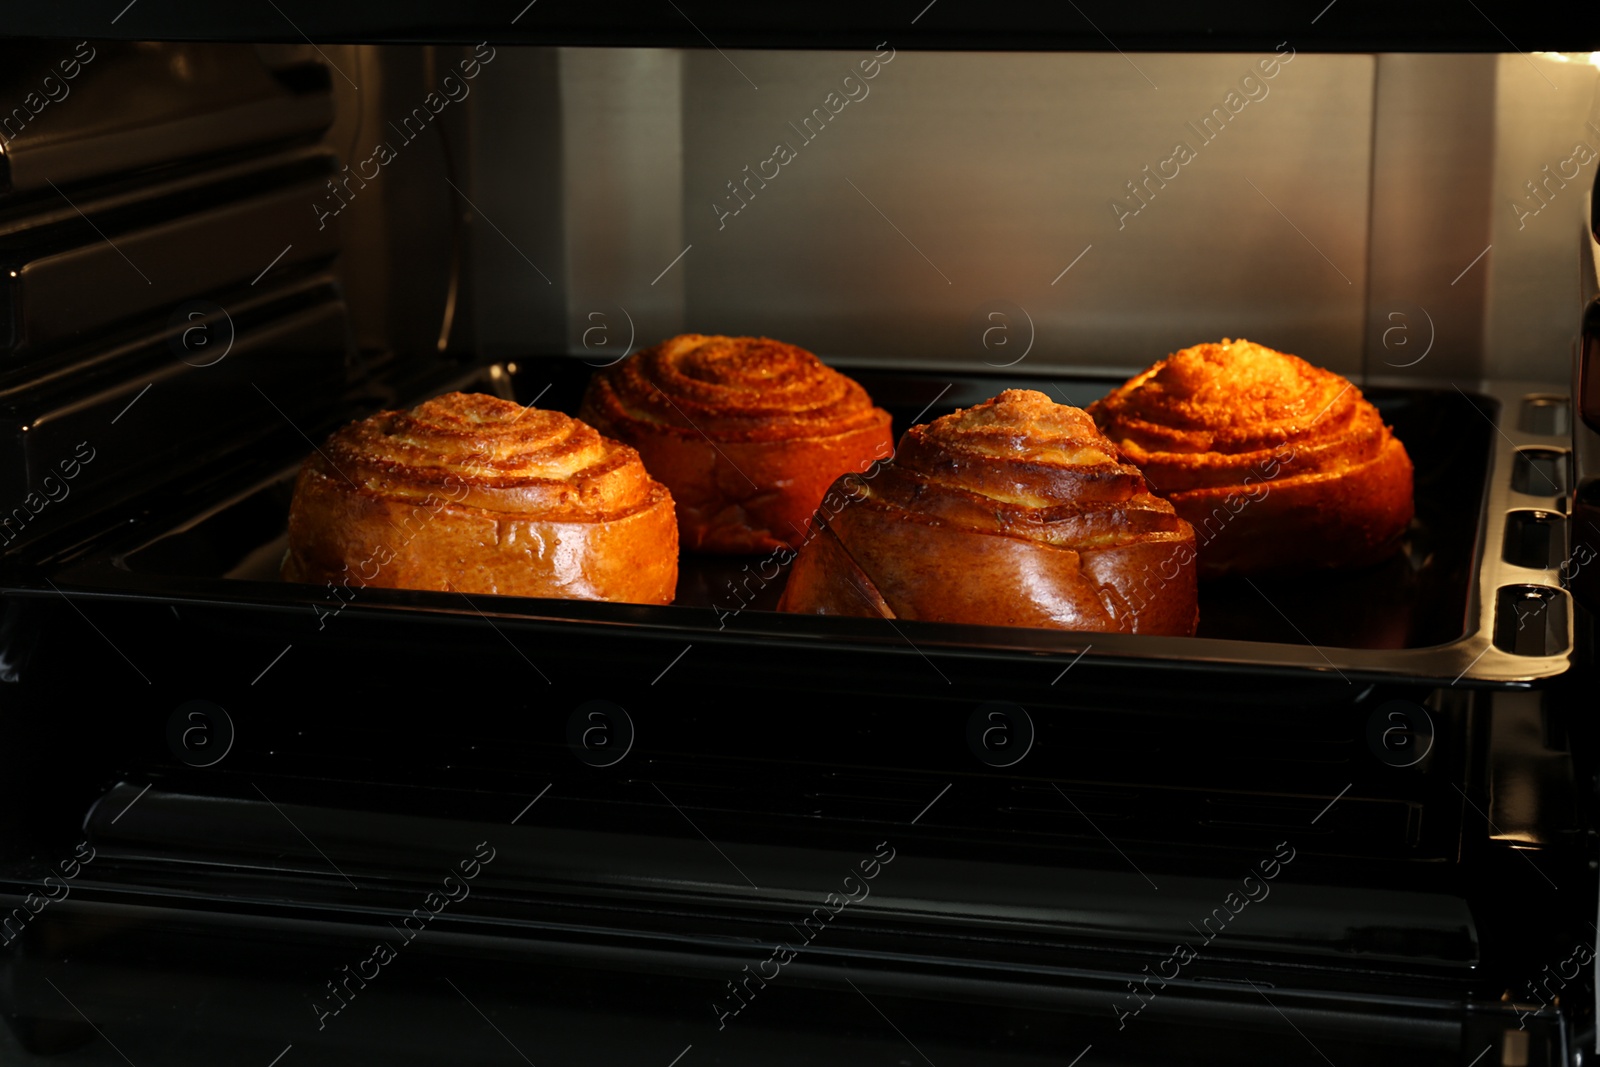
<point x="747" y="433"/>
<point x="475" y="494"/>
<point x="1278" y="465"/>
<point x="1015" y="512"/>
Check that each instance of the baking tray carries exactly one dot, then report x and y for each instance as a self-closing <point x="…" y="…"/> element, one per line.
<point x="1438" y="610"/>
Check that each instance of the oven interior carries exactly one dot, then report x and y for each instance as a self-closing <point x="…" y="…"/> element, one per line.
<point x="197" y="289"/>
<point x="1424" y="590"/>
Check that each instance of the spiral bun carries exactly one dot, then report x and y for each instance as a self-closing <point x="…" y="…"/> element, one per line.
<point x="747" y="432"/>
<point x="1279" y="465"/>
<point x="1014" y="512"/>
<point x="481" y="495"/>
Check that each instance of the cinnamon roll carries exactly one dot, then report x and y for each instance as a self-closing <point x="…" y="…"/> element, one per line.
<point x="474" y="494"/>
<point x="1014" y="512"/>
<point x="747" y="432"/>
<point x="1279" y="465"/>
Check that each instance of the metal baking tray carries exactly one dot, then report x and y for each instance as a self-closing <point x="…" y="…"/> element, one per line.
<point x="1474" y="596"/>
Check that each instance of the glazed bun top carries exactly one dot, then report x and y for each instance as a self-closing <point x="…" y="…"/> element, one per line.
<point x="508" y="458"/>
<point x="1023" y="465"/>
<point x="733" y="389"/>
<point x="1208" y="414"/>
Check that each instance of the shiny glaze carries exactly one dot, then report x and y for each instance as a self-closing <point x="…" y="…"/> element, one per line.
<point x="732" y="389"/>
<point x="746" y="431"/>
<point x="471" y="493"/>
<point x="1279" y="465"/>
<point x="1013" y="512"/>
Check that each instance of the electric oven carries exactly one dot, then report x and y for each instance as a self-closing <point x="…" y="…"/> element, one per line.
<point x="251" y="821"/>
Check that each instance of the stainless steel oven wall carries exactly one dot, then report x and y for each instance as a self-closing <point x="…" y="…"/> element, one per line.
<point x="577" y="171"/>
<point x="1433" y="138"/>
<point x="1547" y="120"/>
<point x="1476" y="235"/>
<point x="947" y="195"/>
<point x="946" y="205"/>
<point x="520" y="199"/>
<point x="401" y="135"/>
<point x="1026" y="210"/>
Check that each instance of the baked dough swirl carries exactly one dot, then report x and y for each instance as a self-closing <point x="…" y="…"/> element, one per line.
<point x="747" y="432"/>
<point x="1014" y="512"/>
<point x="472" y="493"/>
<point x="1279" y="465"/>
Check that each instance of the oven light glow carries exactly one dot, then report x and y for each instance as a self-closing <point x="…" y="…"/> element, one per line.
<point x="1591" y="58"/>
